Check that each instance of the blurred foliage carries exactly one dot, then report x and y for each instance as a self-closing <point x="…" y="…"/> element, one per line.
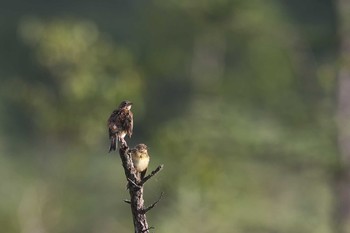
<point x="76" y="58"/>
<point x="236" y="98"/>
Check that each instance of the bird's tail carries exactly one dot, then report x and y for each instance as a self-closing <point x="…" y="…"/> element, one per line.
<point x="143" y="173"/>
<point x="113" y="145"/>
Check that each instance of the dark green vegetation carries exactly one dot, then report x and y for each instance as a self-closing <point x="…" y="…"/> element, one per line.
<point x="236" y="98"/>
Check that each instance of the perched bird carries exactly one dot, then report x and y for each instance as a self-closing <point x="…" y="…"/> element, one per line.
<point x="140" y="159"/>
<point x="120" y="124"/>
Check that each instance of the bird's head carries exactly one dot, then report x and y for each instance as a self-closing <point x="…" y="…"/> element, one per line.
<point x="141" y="148"/>
<point x="125" y="104"/>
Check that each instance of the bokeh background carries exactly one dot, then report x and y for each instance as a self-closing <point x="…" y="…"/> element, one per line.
<point x="240" y="100"/>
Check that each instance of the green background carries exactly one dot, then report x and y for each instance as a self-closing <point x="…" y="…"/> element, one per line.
<point x="236" y="98"/>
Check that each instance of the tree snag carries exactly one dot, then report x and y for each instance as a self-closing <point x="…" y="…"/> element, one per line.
<point x="135" y="186"/>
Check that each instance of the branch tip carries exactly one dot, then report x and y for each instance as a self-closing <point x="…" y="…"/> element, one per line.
<point x="127" y="201"/>
<point x="153" y="205"/>
<point x="149" y="176"/>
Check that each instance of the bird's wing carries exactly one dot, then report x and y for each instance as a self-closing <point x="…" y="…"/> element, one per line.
<point x="130" y="123"/>
<point x="111" y="122"/>
<point x="125" y="121"/>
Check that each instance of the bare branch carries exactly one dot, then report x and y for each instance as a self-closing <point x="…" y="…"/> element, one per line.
<point x="146" y="178"/>
<point x="133" y="183"/>
<point x="148" y="229"/>
<point x="127" y="201"/>
<point x="153" y="205"/>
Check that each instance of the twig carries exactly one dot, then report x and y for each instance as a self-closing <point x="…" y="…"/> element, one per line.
<point x="148" y="229"/>
<point x="136" y="185"/>
<point x="127" y="201"/>
<point x="153" y="205"/>
<point x="146" y="178"/>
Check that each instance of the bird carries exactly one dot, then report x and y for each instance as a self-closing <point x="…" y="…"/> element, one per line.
<point x="120" y="123"/>
<point x="140" y="159"/>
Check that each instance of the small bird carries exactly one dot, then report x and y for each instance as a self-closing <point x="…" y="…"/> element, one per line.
<point x="120" y="124"/>
<point x="140" y="159"/>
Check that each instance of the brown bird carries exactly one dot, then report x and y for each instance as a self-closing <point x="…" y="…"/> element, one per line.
<point x="120" y="124"/>
<point x="140" y="159"/>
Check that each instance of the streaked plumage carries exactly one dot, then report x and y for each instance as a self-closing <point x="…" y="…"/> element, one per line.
<point x="120" y="124"/>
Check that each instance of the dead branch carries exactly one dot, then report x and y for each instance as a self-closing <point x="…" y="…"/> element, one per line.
<point x="153" y="205"/>
<point x="135" y="186"/>
<point x="158" y="169"/>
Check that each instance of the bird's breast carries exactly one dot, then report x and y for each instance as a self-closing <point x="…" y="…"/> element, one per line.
<point x="141" y="164"/>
